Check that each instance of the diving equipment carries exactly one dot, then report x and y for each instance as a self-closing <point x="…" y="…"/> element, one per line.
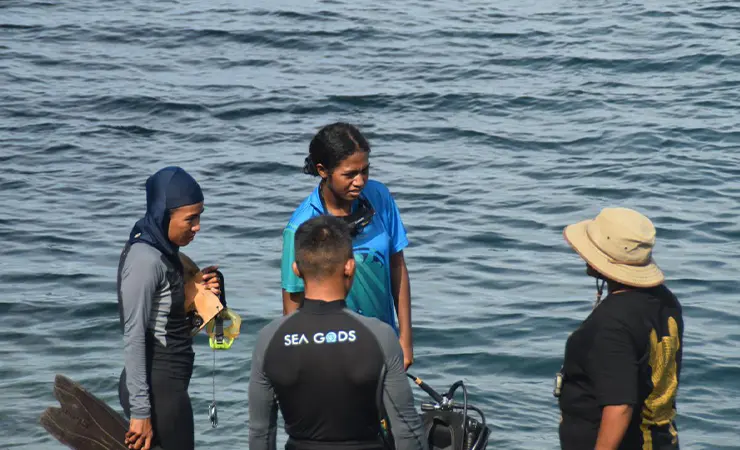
<point x="84" y="422"/>
<point x="221" y="338"/>
<point x="358" y="219"/>
<point x="201" y="304"/>
<point x="445" y="427"/>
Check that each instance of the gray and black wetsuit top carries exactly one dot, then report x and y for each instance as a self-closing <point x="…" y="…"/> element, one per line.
<point x="156" y="328"/>
<point x="323" y="365"/>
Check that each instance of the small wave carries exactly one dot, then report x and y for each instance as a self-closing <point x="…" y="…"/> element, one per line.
<point x="320" y="16"/>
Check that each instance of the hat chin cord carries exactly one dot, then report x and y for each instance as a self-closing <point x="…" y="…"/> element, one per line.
<point x="599" y="290"/>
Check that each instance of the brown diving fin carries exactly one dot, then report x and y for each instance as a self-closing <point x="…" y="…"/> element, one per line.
<point x="83" y="422"/>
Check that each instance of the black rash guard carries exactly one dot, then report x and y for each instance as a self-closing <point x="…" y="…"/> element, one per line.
<point x="158" y="349"/>
<point x="323" y="365"/>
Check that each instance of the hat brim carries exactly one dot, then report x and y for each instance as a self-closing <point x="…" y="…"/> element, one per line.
<point x="645" y="276"/>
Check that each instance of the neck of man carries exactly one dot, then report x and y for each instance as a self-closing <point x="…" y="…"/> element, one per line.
<point x="614" y="287"/>
<point x="327" y="289"/>
<point x="335" y="206"/>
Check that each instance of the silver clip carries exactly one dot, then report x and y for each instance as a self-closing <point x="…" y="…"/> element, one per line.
<point x="212" y="411"/>
<point x="213" y="414"/>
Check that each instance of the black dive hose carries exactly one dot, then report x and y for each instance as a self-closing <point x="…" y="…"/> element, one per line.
<point x="450" y="393"/>
<point x="428" y="389"/>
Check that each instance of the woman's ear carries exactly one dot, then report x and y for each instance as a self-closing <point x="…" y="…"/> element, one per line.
<point x="323" y="172"/>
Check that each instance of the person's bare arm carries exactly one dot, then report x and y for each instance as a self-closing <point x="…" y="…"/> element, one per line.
<point x="614" y="422"/>
<point x="291" y="301"/>
<point x="402" y="299"/>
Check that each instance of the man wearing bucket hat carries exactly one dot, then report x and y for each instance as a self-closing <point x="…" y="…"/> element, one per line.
<point x="617" y="387"/>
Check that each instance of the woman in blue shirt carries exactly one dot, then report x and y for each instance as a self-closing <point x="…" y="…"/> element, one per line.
<point x="339" y="154"/>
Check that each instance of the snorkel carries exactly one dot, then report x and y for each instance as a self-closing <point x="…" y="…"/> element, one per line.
<point x="210" y="312"/>
<point x="221" y="338"/>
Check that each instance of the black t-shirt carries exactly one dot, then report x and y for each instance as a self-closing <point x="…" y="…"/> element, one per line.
<point x="627" y="352"/>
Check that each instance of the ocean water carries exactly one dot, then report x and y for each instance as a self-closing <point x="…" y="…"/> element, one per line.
<point x="494" y="124"/>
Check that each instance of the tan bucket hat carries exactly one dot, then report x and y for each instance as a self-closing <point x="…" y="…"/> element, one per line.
<point x="618" y="243"/>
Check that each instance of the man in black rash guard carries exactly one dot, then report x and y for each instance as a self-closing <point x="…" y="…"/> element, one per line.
<point x="324" y="366"/>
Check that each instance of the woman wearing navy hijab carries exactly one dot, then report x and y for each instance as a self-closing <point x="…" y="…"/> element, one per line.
<point x="158" y="354"/>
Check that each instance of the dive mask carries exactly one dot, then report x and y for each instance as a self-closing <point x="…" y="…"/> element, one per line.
<point x="221" y="337"/>
<point x="359" y="218"/>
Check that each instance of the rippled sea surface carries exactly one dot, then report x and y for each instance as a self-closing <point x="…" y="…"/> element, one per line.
<point x="494" y="124"/>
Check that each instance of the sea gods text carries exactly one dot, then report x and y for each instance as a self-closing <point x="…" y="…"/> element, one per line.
<point x="320" y="338"/>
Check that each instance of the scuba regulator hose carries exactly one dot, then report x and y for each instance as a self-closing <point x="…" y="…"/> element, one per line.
<point x="445" y="403"/>
<point x="426" y="388"/>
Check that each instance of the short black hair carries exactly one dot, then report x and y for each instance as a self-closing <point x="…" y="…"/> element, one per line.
<point x="332" y="144"/>
<point x="322" y="246"/>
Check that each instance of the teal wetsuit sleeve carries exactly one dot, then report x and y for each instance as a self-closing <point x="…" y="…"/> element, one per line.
<point x="140" y="278"/>
<point x="261" y="394"/>
<point x="288" y="279"/>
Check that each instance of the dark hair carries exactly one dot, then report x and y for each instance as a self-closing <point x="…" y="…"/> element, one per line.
<point x="332" y="144"/>
<point x="322" y="246"/>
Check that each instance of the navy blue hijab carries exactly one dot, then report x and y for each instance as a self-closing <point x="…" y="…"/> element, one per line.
<point x="169" y="188"/>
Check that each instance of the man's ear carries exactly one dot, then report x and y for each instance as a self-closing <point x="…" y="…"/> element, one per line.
<point x="296" y="271"/>
<point x="349" y="268"/>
